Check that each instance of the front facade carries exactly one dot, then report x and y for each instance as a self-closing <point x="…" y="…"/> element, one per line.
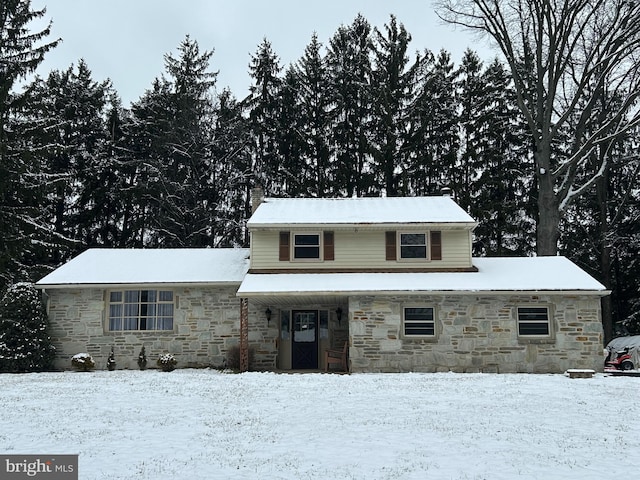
<point x="392" y="278"/>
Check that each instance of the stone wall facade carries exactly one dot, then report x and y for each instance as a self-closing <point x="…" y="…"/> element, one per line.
<point x="206" y="325"/>
<point x="474" y="334"/>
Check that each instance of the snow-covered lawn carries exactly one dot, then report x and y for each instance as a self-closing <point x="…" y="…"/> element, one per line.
<point x="202" y="424"/>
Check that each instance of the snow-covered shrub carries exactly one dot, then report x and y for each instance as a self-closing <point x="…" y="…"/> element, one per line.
<point x="83" y="362"/>
<point x="167" y="362"/>
<point x="111" y="361"/>
<point x="142" y="359"/>
<point x="25" y="345"/>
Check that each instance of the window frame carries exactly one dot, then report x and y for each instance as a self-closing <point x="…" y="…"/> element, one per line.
<point x="399" y="245"/>
<point x="406" y="322"/>
<point x="320" y="247"/>
<point x="140" y="319"/>
<point x="533" y="336"/>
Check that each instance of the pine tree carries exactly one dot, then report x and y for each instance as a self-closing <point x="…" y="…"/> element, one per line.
<point x="350" y="77"/>
<point x="25" y="345"/>
<point x="171" y="134"/>
<point x="67" y="136"/>
<point x="434" y="132"/>
<point x="315" y="124"/>
<point x="263" y="108"/>
<point x="393" y="90"/>
<point x="21" y="51"/>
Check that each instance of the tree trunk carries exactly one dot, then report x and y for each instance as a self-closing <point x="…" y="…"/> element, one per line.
<point x="548" y="208"/>
<point x="605" y="255"/>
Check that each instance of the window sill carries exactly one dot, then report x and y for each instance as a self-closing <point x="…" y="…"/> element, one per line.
<point x="536" y="341"/>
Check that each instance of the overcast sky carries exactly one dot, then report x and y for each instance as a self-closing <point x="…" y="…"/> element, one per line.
<point x="125" y="40"/>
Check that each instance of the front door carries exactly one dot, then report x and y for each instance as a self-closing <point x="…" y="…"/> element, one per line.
<point x="304" y="348"/>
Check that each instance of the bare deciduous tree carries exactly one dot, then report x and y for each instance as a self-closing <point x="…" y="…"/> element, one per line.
<point x="564" y="55"/>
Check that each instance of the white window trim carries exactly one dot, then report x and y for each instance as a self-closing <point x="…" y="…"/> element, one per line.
<point x="292" y="247"/>
<point x="549" y="335"/>
<point x="427" y="240"/>
<point x="157" y="302"/>
<point x="435" y="323"/>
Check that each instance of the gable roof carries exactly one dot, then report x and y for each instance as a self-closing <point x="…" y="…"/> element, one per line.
<point x="494" y="275"/>
<point x="99" y="267"/>
<point x="284" y="212"/>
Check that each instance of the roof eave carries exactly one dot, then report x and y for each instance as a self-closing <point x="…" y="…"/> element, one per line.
<point x="599" y="293"/>
<point x="108" y="285"/>
<point x="364" y="226"/>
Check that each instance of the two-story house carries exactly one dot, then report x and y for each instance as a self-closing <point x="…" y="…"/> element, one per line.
<point x="393" y="278"/>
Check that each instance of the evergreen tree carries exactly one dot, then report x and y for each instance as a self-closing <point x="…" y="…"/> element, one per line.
<point x="315" y="125"/>
<point x="21" y="51"/>
<point x="233" y="175"/>
<point x="494" y="161"/>
<point x="25" y="345"/>
<point x="434" y="132"/>
<point x="263" y="106"/>
<point x="350" y="78"/>
<point x="394" y="86"/>
<point x="172" y="133"/>
<point x="67" y="136"/>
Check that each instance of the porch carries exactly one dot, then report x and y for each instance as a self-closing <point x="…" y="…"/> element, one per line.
<point x="302" y="330"/>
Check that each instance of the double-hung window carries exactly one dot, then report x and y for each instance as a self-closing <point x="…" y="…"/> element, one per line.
<point x="413" y="246"/>
<point x="419" y="322"/>
<point x="533" y="322"/>
<point x="141" y="310"/>
<point x="306" y="246"/>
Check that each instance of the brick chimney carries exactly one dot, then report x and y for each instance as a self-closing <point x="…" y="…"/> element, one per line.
<point x="257" y="197"/>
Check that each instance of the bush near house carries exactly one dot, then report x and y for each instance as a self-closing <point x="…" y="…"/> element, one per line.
<point x="25" y="345"/>
<point x="167" y="362"/>
<point x="83" y="362"/>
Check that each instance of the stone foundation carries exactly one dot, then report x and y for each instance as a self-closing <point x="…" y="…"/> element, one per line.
<point x="474" y="334"/>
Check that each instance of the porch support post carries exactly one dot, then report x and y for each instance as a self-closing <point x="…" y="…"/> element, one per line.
<point x="244" y="334"/>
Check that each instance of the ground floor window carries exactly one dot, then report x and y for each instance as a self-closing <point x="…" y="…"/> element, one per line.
<point x="419" y="322"/>
<point x="533" y="321"/>
<point x="141" y="310"/>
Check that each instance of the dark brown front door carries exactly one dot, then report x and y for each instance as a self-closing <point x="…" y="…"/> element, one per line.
<point x="304" y="348"/>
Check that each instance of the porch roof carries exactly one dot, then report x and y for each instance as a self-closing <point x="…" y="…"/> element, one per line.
<point x="174" y="266"/>
<point x="494" y="275"/>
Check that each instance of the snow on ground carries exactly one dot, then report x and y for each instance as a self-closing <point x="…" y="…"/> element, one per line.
<point x="202" y="424"/>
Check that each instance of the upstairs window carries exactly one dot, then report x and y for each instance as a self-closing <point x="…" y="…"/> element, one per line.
<point x="413" y="246"/>
<point x="533" y="321"/>
<point x="141" y="310"/>
<point x="306" y="246"/>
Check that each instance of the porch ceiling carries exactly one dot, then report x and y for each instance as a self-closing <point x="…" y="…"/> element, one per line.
<point x="297" y="300"/>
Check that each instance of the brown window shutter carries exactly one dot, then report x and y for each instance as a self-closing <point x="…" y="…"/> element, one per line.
<point x="328" y="246"/>
<point x="284" y="247"/>
<point x="390" y="245"/>
<point x="436" y="245"/>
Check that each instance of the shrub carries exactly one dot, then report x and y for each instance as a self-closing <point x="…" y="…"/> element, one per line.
<point x="233" y="357"/>
<point x="25" y="345"/>
<point x="111" y="361"/>
<point x="83" y="362"/>
<point x="167" y="362"/>
<point x="142" y="359"/>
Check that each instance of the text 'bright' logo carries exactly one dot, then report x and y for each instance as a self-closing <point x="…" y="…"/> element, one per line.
<point x="59" y="467"/>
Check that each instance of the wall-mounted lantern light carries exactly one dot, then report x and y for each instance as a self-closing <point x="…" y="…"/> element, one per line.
<point x="339" y="314"/>
<point x="267" y="313"/>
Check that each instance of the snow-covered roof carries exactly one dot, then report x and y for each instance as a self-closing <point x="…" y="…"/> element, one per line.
<point x="523" y="274"/>
<point x="276" y="212"/>
<point x="151" y="266"/>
